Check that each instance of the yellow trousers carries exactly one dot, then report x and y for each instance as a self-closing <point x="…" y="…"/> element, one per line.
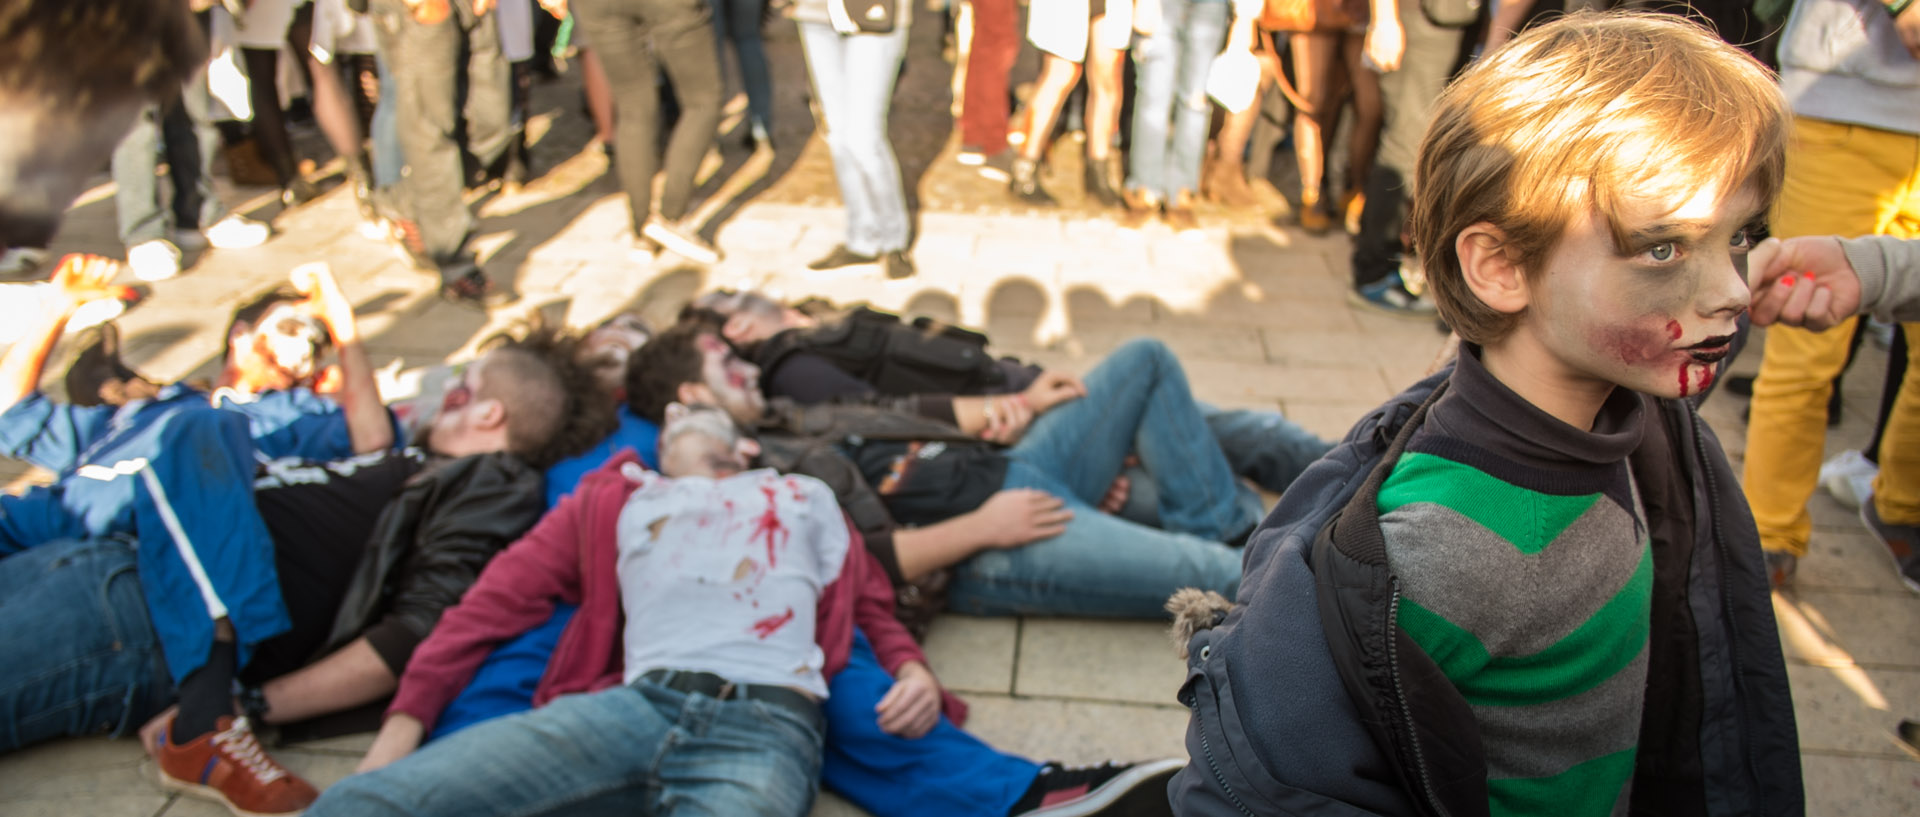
<point x="1850" y="181"/>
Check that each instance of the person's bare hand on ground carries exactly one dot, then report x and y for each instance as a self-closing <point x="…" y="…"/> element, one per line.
<point x="912" y="707"/>
<point x="1020" y="516"/>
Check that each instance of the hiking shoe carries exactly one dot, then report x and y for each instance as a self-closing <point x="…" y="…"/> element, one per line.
<point x="1781" y="566"/>
<point x="1849" y="477"/>
<point x="1109" y="789"/>
<point x="1902" y="541"/>
<point x="897" y="265"/>
<point x="156" y="260"/>
<point x="1389" y="296"/>
<point x="680" y="241"/>
<point x="228" y="766"/>
<point x="1026" y="184"/>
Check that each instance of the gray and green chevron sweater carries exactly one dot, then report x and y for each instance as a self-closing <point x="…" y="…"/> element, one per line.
<point x="1526" y="575"/>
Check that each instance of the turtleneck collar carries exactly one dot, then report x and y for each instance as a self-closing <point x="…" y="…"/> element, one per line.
<point x="1476" y="402"/>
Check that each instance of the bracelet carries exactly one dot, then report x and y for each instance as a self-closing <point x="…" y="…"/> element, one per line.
<point x="1895" y="7"/>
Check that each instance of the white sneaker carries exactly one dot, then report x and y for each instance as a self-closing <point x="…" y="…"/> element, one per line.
<point x="237" y="232"/>
<point x="680" y="241"/>
<point x="156" y="260"/>
<point x="1848" y="476"/>
<point x="94" y="313"/>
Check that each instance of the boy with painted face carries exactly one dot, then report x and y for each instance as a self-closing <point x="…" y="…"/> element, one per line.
<point x="715" y="602"/>
<point x="1548" y="597"/>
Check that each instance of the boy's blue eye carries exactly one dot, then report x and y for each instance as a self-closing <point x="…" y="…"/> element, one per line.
<point x="1662" y="252"/>
<point x="1743" y="240"/>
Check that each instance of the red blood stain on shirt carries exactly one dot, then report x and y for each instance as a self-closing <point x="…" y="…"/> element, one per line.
<point x="772" y="624"/>
<point x="771" y="527"/>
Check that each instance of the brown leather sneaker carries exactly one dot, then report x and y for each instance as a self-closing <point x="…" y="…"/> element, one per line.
<point x="1180" y="215"/>
<point x="1141" y="208"/>
<point x="228" y="766"/>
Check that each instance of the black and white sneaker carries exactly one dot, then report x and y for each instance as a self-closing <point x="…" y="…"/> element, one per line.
<point x="1107" y="790"/>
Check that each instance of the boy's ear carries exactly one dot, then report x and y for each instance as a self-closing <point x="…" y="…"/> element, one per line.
<point x="1489" y="269"/>
<point x="747" y="448"/>
<point x="493" y="413"/>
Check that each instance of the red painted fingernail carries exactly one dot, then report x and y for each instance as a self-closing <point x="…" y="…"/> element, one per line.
<point x="1787" y="281"/>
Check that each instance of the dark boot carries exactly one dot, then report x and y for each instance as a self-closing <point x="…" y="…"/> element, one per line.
<point x="1099" y="183"/>
<point x="1026" y="184"/>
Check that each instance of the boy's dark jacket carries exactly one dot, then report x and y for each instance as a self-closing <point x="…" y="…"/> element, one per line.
<point x="1308" y="700"/>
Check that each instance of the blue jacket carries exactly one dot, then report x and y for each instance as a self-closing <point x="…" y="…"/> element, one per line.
<point x="1308" y="699"/>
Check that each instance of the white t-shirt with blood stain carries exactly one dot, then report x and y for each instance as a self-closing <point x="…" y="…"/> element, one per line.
<point x="723" y="576"/>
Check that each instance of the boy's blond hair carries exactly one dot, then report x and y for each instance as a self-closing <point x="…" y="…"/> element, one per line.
<point x="1573" y="117"/>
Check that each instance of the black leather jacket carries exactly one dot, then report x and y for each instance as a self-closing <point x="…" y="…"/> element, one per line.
<point x="429" y="545"/>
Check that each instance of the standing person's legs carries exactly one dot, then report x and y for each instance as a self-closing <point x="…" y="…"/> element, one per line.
<point x="623" y="45"/>
<point x="944" y="773"/>
<point x="1406" y="97"/>
<point x="1138" y="402"/>
<point x="1157" y="62"/>
<point x="90" y="663"/>
<point x="1364" y="141"/>
<point x="423" y="59"/>
<point x="489" y="102"/>
<point x="385" y="128"/>
<point x="853" y="77"/>
<point x="1101" y="566"/>
<point x="1845" y="180"/>
<point x="682" y="33"/>
<point x="739" y="21"/>
<point x="198" y="142"/>
<point x="1314" y="56"/>
<point x="136" y="197"/>
<point x="996" y="44"/>
<point x="1200" y="41"/>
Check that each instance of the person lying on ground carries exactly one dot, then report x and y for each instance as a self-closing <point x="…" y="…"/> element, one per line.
<point x="1015" y="525"/>
<point x="326" y="574"/>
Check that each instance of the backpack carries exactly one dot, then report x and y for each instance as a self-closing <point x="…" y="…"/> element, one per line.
<point x="898" y="357"/>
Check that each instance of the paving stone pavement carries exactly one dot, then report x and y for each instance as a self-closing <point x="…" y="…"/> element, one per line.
<point x="1257" y="314"/>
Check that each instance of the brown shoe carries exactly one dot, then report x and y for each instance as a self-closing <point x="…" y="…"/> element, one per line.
<point x="1180" y="215"/>
<point x="228" y="766"/>
<point x="1141" y="208"/>
<point x="1226" y="185"/>
<point x="1313" y="214"/>
<point x="1352" y="204"/>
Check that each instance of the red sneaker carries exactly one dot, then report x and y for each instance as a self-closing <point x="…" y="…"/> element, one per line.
<point x="229" y="767"/>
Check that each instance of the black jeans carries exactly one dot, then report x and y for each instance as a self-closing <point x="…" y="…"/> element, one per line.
<point x="1406" y="99"/>
<point x="180" y="131"/>
<point x="428" y="63"/>
<point x="629" y="36"/>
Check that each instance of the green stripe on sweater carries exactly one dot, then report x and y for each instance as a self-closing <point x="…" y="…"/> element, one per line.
<point x="1606" y="642"/>
<point x="1589" y="789"/>
<point x="1529" y="519"/>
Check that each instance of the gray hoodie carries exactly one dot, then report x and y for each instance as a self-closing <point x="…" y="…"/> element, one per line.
<point x="1889" y="270"/>
<point x="1840" y="60"/>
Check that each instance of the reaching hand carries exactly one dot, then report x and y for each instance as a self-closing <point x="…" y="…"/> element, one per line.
<point x="1020" y="516"/>
<point x="324" y="299"/>
<point x="557" y="8"/>
<point x="912" y="707"/>
<point x="398" y="737"/>
<point x="1805" y="281"/>
<point x="84" y="279"/>
<point x="1053" y="388"/>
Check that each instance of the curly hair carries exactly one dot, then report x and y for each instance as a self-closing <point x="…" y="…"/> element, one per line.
<point x="656" y="372"/>
<point x="556" y="408"/>
<point x="86" y="51"/>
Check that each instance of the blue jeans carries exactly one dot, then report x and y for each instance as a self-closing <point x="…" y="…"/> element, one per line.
<point x="1262" y="446"/>
<point x="945" y="773"/>
<point x="81" y="655"/>
<point x="853" y="76"/>
<point x="1137" y="402"/>
<point x="1171" y="112"/>
<point x="628" y="750"/>
<point x="385" y="130"/>
<point x="186" y="137"/>
<point x="739" y="21"/>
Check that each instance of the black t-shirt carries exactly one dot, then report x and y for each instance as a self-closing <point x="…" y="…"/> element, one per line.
<point x="320" y="515"/>
<point x="927" y="482"/>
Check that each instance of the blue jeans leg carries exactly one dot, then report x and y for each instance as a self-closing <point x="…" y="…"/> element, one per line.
<point x="1138" y="402"/>
<point x="738" y="21"/>
<point x="639" y="749"/>
<point x="81" y="658"/>
<point x="1264" y="446"/>
<point x="945" y="773"/>
<point x="1200" y="40"/>
<point x="385" y="130"/>
<point x="853" y="78"/>
<point x="1101" y="566"/>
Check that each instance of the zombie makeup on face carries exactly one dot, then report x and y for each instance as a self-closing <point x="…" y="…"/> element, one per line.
<point x="702" y="441"/>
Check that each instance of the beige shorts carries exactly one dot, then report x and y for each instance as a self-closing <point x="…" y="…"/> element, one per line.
<point x="1059" y="27"/>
